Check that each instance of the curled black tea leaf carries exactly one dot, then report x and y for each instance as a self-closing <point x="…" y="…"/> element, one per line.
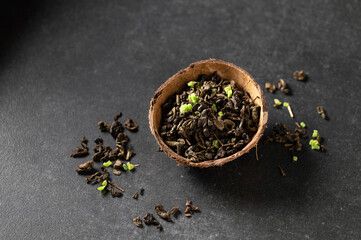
<point x="81" y="152"/>
<point x="113" y="192"/>
<point x="104" y="126"/>
<point x="282" y="86"/>
<point x="119" y="115"/>
<point x="135" y="196"/>
<point x="270" y="87"/>
<point x="174" y="211"/>
<point x="137" y="221"/>
<point x="150" y="220"/>
<point x="117" y="166"/>
<point x="162" y="213"/>
<point x="300" y="76"/>
<point x="85" y="167"/>
<point x="141" y="191"/>
<point x="131" y="125"/>
<point x="115" y="128"/>
<point x="321" y="112"/>
<point x="190" y="209"/>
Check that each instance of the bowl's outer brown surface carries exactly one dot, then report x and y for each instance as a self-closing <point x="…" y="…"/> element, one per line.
<point x="177" y="82"/>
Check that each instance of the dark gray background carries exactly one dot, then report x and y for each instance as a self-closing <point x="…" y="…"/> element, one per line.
<point x="65" y="65"/>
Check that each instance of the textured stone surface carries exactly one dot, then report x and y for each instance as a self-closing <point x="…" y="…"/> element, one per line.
<point x="64" y="66"/>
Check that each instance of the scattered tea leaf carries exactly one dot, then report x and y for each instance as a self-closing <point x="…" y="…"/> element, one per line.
<point x="282" y="86"/>
<point x="174" y="211"/>
<point x="162" y="213"/>
<point x="141" y="191"/>
<point x="270" y="87"/>
<point x="295" y="158"/>
<point x="131" y="125"/>
<point x="303" y="124"/>
<point x="300" y="76"/>
<point x="190" y="209"/>
<point x="150" y="220"/>
<point x="282" y="171"/>
<point x="81" y="152"/>
<point x="321" y="112"/>
<point x="85" y="167"/>
<point x="138" y="222"/>
<point x="135" y="196"/>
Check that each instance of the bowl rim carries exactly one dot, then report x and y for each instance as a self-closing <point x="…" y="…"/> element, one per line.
<point x="221" y="161"/>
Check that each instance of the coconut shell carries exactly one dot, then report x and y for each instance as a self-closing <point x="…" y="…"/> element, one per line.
<point x="176" y="84"/>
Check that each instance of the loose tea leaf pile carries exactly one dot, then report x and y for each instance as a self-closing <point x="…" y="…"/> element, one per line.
<point x="107" y="156"/>
<point x="211" y="119"/>
<point x="283" y="134"/>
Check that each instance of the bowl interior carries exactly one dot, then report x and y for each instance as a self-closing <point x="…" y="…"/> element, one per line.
<point x="176" y="84"/>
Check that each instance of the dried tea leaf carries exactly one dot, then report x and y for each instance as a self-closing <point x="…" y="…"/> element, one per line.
<point x="174" y="211"/>
<point x="138" y="222"/>
<point x="113" y="192"/>
<point x="85" y="167"/>
<point x="162" y="213"/>
<point x="84" y="143"/>
<point x="190" y="209"/>
<point x="150" y="220"/>
<point x="129" y="154"/>
<point x="300" y="76"/>
<point x="282" y="86"/>
<point x="135" y="196"/>
<point x="104" y="126"/>
<point x="115" y="128"/>
<point x="270" y="87"/>
<point x="321" y="112"/>
<point x="141" y="191"/>
<point x="119" y="115"/>
<point x="81" y="152"/>
<point x="92" y="178"/>
<point x="131" y="125"/>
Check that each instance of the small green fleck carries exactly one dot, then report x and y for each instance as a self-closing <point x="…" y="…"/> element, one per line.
<point x="196" y="112"/>
<point x="314" y="144"/>
<point x="101" y="188"/>
<point x="214" y="90"/>
<point x="199" y="85"/>
<point x="303" y="124"/>
<point x="130" y="166"/>
<point x="295" y="158"/>
<point x="107" y="164"/>
<point x="311" y="141"/>
<point x="228" y="91"/>
<point x="193" y="98"/>
<point x="214" y="107"/>
<point x="185" y="107"/>
<point x="220" y="114"/>
<point x="286" y="104"/>
<point x="104" y="183"/>
<point x="315" y="134"/>
<point x="125" y="167"/>
<point x="215" y="143"/>
<point x="191" y="83"/>
<point x="278" y="102"/>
